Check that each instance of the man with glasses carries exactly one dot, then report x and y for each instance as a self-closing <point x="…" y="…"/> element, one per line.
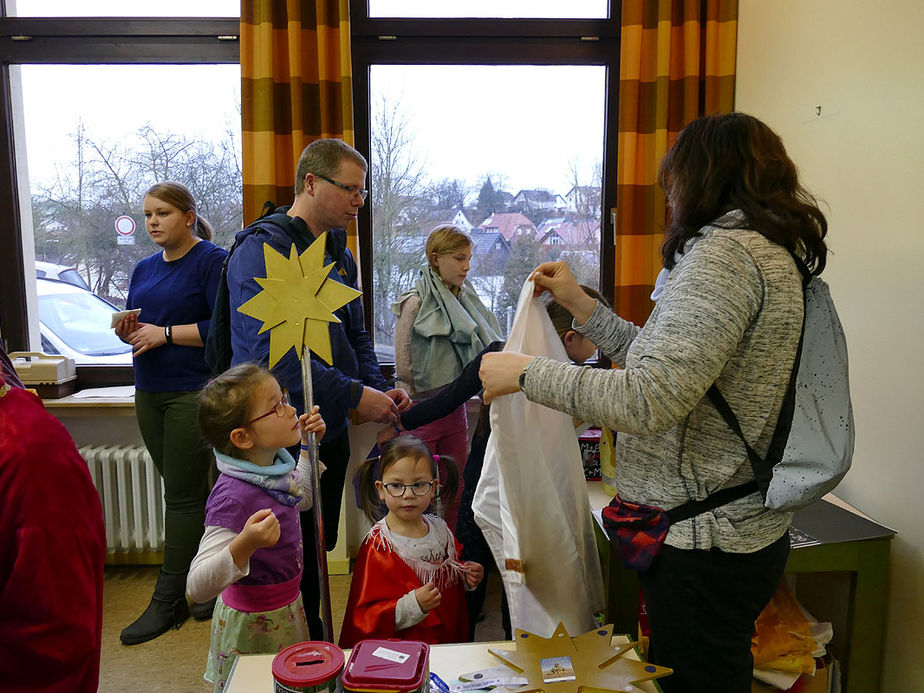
<point x="329" y="190"/>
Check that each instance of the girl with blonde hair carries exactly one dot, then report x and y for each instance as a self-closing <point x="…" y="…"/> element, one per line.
<point x="442" y="325"/>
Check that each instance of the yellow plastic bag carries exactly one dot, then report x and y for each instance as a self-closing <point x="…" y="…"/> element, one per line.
<point x="607" y="464"/>
<point x="782" y="638"/>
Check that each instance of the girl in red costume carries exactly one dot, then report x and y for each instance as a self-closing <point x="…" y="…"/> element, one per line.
<point x="408" y="581"/>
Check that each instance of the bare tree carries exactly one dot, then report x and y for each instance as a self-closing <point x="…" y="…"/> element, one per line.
<point x="76" y="211"/>
<point x="448" y="193"/>
<point x="583" y="253"/>
<point x="399" y="204"/>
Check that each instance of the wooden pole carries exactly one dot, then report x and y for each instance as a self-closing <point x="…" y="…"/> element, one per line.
<point x="323" y="579"/>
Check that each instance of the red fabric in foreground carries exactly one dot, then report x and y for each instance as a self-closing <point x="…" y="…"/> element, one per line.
<point x="52" y="550"/>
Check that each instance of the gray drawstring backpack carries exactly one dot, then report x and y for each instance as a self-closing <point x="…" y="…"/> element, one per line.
<point x="812" y="445"/>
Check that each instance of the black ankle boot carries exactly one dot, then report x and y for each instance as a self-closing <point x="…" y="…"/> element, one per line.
<point x="203" y="611"/>
<point x="168" y="609"/>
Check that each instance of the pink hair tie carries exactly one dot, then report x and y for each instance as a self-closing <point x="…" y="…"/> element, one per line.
<point x="436" y="458"/>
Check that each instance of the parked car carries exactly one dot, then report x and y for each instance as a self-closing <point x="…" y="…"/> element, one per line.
<point x="75" y="322"/>
<point x="49" y="270"/>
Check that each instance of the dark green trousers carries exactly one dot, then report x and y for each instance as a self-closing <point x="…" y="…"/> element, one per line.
<point x="170" y="429"/>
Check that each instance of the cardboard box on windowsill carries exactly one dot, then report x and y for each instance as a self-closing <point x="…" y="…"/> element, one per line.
<point x="52" y="376"/>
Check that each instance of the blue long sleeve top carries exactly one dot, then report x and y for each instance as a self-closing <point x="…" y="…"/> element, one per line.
<point x="179" y="292"/>
<point x="337" y="387"/>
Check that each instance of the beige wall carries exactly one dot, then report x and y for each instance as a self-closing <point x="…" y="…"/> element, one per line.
<point x="863" y="63"/>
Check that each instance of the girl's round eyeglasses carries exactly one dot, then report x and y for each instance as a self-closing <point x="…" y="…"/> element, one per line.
<point x="279" y="409"/>
<point x="418" y="488"/>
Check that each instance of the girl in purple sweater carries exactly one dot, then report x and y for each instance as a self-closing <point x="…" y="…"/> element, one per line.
<point x="251" y="552"/>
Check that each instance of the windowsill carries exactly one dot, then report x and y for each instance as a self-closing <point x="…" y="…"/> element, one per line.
<point x="112" y="399"/>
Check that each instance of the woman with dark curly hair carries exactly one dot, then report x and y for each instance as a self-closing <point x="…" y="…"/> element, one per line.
<point x="729" y="311"/>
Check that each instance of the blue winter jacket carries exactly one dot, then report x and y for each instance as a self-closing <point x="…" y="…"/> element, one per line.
<point x="337" y="388"/>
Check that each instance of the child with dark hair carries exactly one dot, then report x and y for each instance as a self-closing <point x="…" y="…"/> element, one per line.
<point x="250" y="555"/>
<point x="408" y="581"/>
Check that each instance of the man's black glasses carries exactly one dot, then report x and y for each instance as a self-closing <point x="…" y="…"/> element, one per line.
<point x="351" y="189"/>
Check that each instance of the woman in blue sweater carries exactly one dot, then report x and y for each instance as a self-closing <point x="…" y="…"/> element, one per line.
<point x="175" y="289"/>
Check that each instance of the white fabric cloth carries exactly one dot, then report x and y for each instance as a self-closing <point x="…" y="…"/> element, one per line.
<point x="531" y="501"/>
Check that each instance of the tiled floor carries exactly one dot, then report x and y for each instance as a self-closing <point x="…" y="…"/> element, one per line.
<point x="175" y="661"/>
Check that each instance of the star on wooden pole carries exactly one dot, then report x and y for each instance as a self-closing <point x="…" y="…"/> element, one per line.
<point x="298" y="301"/>
<point x="296" y="305"/>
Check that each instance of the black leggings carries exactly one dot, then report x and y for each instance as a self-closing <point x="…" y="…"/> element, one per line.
<point x="168" y="426"/>
<point x="474" y="546"/>
<point x="701" y="608"/>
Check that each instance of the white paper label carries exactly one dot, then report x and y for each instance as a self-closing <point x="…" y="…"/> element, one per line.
<point x="390" y="655"/>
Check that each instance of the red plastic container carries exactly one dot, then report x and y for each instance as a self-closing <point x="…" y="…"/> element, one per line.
<point x="387" y="666"/>
<point x="308" y="667"/>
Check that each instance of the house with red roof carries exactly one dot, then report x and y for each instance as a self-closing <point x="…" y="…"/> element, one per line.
<point x="569" y="232"/>
<point x="509" y="225"/>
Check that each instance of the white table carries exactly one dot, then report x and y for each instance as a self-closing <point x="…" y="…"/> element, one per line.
<point x="253" y="673"/>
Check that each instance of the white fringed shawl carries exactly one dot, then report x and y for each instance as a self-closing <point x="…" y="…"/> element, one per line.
<point x="442" y="574"/>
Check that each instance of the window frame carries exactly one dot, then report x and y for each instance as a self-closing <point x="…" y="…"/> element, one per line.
<point x="486" y="41"/>
<point x="144" y="40"/>
<point x="77" y="40"/>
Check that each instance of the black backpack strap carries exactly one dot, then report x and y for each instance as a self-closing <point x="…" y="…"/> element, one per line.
<point x="732" y="493"/>
<point x="761" y="473"/>
<point x="710" y="502"/>
<point x="217" y="347"/>
<point x="218" y="352"/>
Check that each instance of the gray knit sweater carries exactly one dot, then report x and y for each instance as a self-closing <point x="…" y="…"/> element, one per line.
<point x="731" y="313"/>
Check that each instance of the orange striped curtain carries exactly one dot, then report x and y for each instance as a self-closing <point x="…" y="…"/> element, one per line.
<point x="677" y="62"/>
<point x="296" y="87"/>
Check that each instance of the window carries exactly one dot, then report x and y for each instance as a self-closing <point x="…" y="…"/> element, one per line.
<point x="101" y="110"/>
<point x="120" y="8"/>
<point x="493" y="124"/>
<point x="490" y="171"/>
<point x="125" y="128"/>
<point x="510" y="9"/>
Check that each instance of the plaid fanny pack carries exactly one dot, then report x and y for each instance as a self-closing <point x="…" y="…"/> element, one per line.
<point x="638" y="531"/>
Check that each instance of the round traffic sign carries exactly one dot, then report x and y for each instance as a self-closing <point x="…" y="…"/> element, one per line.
<point x="125" y="225"/>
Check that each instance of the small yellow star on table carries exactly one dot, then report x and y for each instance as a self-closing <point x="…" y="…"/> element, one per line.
<point x="596" y="664"/>
<point x="298" y="301"/>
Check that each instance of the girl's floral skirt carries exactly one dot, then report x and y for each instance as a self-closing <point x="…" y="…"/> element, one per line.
<point x="238" y="632"/>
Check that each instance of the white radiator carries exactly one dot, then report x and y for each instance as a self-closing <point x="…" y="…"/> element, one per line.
<point x="132" y="493"/>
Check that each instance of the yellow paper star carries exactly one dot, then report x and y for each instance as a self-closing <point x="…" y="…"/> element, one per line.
<point x="595" y="663"/>
<point x="298" y="301"/>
